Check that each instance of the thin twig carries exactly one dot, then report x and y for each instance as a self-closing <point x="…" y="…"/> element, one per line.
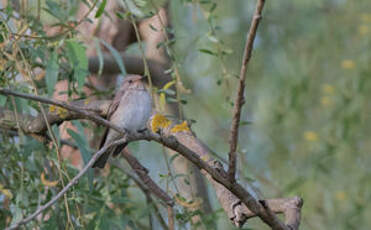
<point x="239" y="101"/>
<point x="68" y="186"/>
<point x="137" y="35"/>
<point x="170" y="213"/>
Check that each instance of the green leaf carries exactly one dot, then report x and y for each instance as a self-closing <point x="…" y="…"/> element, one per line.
<point x="213" y="7"/>
<point x="242" y="123"/>
<point x="55" y="129"/>
<point x="116" y="56"/>
<point x="206" y="51"/>
<point x="2" y="100"/>
<point x="172" y="158"/>
<point x="85" y="154"/>
<point x="101" y="9"/>
<point x="55" y="10"/>
<point x="76" y="54"/>
<point x="100" y="56"/>
<point x="152" y="27"/>
<point x="51" y="75"/>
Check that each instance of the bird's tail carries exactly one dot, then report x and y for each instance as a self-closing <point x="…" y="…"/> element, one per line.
<point x="102" y="160"/>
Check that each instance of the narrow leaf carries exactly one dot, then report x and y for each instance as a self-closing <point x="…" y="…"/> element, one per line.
<point x="2" y="100"/>
<point x="77" y="56"/>
<point x="81" y="144"/>
<point x="206" y="51"/>
<point x="51" y="75"/>
<point x="100" y="56"/>
<point x="116" y="56"/>
<point x="101" y="9"/>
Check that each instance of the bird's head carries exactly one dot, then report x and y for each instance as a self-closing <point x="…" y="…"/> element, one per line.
<point x="135" y="82"/>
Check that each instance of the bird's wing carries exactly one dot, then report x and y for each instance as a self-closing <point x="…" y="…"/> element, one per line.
<point x="111" y="110"/>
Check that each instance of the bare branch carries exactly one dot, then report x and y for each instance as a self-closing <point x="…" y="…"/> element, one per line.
<point x="133" y="65"/>
<point x="170" y="213"/>
<point x="67" y="187"/>
<point x="239" y="101"/>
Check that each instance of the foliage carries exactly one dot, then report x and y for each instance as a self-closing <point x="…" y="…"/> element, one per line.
<point x="305" y="128"/>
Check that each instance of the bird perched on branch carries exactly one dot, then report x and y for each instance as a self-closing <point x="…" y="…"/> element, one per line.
<point x="130" y="110"/>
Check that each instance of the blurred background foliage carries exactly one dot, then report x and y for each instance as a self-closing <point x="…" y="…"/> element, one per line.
<point x="305" y="127"/>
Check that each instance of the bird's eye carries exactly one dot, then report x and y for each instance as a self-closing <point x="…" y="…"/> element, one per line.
<point x="130" y="81"/>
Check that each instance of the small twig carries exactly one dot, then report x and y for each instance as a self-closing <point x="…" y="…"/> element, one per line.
<point x="239" y="101"/>
<point x="137" y="35"/>
<point x="170" y="213"/>
<point x="68" y="186"/>
<point x="64" y="105"/>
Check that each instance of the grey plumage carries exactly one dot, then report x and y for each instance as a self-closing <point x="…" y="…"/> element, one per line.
<point x="130" y="110"/>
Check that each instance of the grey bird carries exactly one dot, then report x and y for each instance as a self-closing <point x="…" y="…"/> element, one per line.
<point x="130" y="110"/>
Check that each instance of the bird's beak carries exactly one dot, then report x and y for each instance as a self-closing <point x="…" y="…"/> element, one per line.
<point x="143" y="78"/>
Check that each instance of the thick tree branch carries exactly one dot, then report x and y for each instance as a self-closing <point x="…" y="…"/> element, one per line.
<point x="89" y="115"/>
<point x="241" y="89"/>
<point x="133" y="65"/>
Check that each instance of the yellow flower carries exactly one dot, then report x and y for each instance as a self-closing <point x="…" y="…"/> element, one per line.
<point x="348" y="64"/>
<point x="62" y="113"/>
<point x="340" y="195"/>
<point x="46" y="182"/>
<point x="328" y="89"/>
<point x="163" y="96"/>
<point x="87" y="101"/>
<point x="6" y="192"/>
<point x="40" y="76"/>
<point x="310" y="136"/>
<point x="326" y="101"/>
<point x="205" y="157"/>
<point x="366" y="17"/>
<point x="159" y="121"/>
<point x="193" y="204"/>
<point x="363" y="29"/>
<point x="52" y="108"/>
<point x="180" y="127"/>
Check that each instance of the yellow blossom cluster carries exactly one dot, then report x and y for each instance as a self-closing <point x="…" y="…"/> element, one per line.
<point x="159" y="122"/>
<point x="61" y="112"/>
<point x="6" y="192"/>
<point x="348" y="64"/>
<point x="310" y="136"/>
<point x="180" y="127"/>
<point x="45" y="182"/>
<point x="196" y="203"/>
<point x="328" y="90"/>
